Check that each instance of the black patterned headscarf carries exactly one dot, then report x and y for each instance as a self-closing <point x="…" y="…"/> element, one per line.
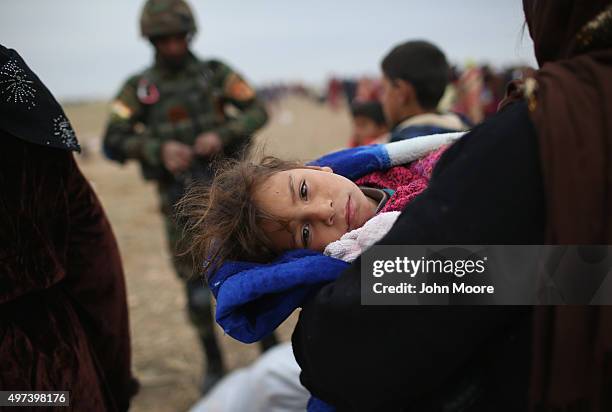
<point x="28" y="110"/>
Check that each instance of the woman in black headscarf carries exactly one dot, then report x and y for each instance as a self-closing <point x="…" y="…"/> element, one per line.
<point x="538" y="172"/>
<point x="63" y="313"/>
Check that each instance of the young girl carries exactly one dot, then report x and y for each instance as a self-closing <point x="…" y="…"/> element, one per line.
<point x="263" y="211"/>
<point x="255" y="211"/>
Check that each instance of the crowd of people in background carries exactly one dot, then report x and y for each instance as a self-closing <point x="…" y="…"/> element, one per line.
<point x="474" y="92"/>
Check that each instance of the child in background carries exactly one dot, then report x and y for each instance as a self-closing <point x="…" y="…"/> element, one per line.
<point x="369" y="125"/>
<point x="415" y="76"/>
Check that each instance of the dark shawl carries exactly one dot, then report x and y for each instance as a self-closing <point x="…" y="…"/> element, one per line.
<point x="63" y="312"/>
<point x="571" y="109"/>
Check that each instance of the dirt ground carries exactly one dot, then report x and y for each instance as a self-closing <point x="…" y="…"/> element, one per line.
<point x="166" y="356"/>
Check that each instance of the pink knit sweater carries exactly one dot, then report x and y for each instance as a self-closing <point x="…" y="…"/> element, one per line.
<point x="408" y="181"/>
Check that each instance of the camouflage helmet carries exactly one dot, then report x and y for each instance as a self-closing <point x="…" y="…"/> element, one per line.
<point x="165" y="17"/>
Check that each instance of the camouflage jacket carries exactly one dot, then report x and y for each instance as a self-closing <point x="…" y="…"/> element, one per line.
<point x="159" y="105"/>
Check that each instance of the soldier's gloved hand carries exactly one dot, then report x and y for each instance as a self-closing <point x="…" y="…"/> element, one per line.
<point x="176" y="156"/>
<point x="207" y="144"/>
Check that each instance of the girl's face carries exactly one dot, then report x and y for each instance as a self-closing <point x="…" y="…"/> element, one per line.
<point x="318" y="205"/>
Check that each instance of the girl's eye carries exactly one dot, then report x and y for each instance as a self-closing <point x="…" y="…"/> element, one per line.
<point x="304" y="190"/>
<point x="306" y="235"/>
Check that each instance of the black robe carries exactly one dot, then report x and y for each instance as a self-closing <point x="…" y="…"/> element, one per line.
<point x="486" y="189"/>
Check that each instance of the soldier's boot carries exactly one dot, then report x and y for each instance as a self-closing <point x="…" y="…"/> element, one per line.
<point x="200" y="313"/>
<point x="214" y="364"/>
<point x="267" y="342"/>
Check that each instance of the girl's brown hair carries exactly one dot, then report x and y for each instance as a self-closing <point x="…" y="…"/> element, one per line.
<point x="221" y="220"/>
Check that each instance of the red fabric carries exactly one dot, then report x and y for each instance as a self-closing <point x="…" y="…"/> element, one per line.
<point x="63" y="312"/>
<point x="407" y="181"/>
<point x="368" y="140"/>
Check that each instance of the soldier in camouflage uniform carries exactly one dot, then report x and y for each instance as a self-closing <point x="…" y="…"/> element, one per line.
<point x="173" y="119"/>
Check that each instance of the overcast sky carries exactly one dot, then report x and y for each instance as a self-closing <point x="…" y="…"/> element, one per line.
<point x="84" y="49"/>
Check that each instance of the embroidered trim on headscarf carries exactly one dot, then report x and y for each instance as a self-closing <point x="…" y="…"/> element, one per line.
<point x="597" y="33"/>
<point x="16" y="85"/>
<point x="28" y="110"/>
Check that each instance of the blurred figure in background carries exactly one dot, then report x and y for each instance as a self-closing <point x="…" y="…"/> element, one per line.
<point x="334" y="93"/>
<point x="415" y="76"/>
<point x="477" y="91"/>
<point x="470" y="85"/>
<point x="173" y="119"/>
<point x="349" y="90"/>
<point x="369" y="125"/>
<point x="368" y="89"/>
<point x="493" y="89"/>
